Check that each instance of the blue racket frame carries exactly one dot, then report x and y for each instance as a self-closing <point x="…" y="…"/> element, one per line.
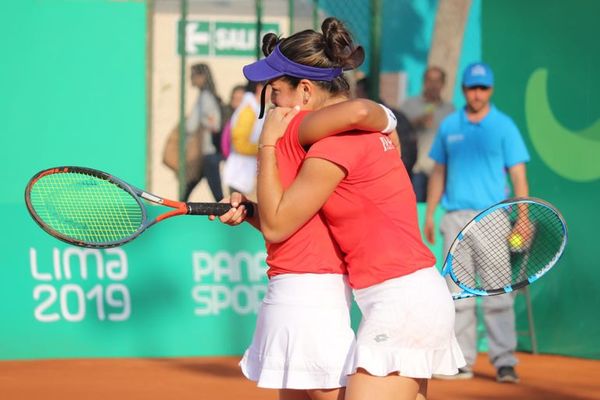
<point x="468" y="292"/>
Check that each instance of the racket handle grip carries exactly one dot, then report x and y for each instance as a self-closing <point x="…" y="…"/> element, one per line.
<point x="217" y="208"/>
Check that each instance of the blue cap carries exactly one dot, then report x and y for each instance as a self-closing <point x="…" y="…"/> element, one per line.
<point x="478" y="74"/>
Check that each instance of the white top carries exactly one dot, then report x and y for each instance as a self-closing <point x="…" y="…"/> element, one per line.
<point x="240" y="170"/>
<point x="205" y="115"/>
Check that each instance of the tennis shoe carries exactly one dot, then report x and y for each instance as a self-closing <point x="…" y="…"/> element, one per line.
<point x="463" y="373"/>
<point x="507" y="374"/>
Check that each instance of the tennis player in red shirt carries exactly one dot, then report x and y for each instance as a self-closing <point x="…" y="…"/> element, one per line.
<point x="303" y="342"/>
<point x="358" y="182"/>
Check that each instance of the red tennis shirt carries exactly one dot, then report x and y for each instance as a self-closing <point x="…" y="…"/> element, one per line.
<point x="311" y="249"/>
<point x="373" y="211"/>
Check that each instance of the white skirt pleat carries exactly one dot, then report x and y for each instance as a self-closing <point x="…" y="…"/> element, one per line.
<point x="303" y="338"/>
<point x="407" y="327"/>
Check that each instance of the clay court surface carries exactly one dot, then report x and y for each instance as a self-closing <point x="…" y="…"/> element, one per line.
<point x="542" y="377"/>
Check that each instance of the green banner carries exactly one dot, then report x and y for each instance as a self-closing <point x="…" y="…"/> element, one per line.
<point x="186" y="287"/>
<point x="73" y="82"/>
<point x="547" y="80"/>
<point x="223" y="38"/>
<point x="73" y="89"/>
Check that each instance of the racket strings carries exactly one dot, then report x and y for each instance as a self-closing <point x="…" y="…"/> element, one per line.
<point x="485" y="259"/>
<point x="85" y="207"/>
<point x="543" y="253"/>
<point x="469" y="262"/>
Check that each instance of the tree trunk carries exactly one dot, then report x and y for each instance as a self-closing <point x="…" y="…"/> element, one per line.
<point x="446" y="44"/>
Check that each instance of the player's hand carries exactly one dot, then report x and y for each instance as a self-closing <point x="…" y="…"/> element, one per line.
<point x="237" y="214"/>
<point x="522" y="233"/>
<point x="276" y="122"/>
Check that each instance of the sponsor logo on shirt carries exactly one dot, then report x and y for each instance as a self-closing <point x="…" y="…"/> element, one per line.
<point x="456" y="137"/>
<point x="387" y="143"/>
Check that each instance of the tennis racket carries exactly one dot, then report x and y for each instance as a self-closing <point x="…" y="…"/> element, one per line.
<point x="90" y="208"/>
<point x="506" y="247"/>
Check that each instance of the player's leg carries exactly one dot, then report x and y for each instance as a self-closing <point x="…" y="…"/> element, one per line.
<point x="422" y="395"/>
<point x="312" y="394"/>
<point x="327" y="394"/>
<point x="293" y="394"/>
<point x="362" y="386"/>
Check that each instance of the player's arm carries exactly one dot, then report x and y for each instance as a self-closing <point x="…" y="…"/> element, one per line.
<point x="283" y="212"/>
<point x="238" y="212"/>
<point x="435" y="190"/>
<point x="357" y="114"/>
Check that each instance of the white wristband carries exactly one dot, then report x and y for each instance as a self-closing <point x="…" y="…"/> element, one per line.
<point x="392" y="122"/>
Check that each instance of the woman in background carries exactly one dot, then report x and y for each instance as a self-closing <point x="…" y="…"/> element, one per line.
<point x="205" y="120"/>
<point x="235" y="99"/>
<point x="239" y="173"/>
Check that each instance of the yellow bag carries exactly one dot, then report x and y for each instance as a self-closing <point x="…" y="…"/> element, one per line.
<point x="193" y="153"/>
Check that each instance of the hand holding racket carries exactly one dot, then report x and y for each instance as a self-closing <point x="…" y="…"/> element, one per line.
<point x="90" y="208"/>
<point x="488" y="258"/>
<point x="236" y="215"/>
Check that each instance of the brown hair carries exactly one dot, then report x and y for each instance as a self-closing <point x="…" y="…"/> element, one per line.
<point x="204" y="69"/>
<point x="330" y="49"/>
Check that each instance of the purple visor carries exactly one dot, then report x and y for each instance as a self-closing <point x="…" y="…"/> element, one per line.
<point x="277" y="65"/>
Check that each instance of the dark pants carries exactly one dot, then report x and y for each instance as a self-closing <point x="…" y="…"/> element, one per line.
<point x="419" y="181"/>
<point x="210" y="171"/>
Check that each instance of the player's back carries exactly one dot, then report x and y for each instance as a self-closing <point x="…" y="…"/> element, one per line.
<point x="372" y="213"/>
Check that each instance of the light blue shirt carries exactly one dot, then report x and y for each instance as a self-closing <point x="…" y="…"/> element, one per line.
<point x="477" y="156"/>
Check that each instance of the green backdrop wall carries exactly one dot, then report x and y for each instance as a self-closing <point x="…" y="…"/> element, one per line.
<point x="546" y="58"/>
<point x="186" y="287"/>
<point x="73" y="80"/>
<point x="73" y="92"/>
<point x="73" y="88"/>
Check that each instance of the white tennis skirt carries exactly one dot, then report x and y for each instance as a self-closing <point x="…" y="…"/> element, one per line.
<point x="407" y="327"/>
<point x="303" y="338"/>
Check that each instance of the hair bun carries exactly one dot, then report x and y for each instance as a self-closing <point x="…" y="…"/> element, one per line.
<point x="339" y="45"/>
<point x="269" y="42"/>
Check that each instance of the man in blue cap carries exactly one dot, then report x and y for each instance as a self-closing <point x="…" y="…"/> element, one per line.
<point x="473" y="150"/>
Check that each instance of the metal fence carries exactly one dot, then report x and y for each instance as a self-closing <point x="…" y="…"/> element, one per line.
<point x="396" y="34"/>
